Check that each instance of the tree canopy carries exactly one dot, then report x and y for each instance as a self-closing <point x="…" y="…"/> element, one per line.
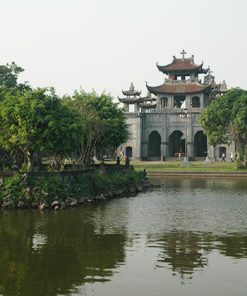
<point x="225" y="120"/>
<point x="36" y="122"/>
<point x="105" y="122"/>
<point x="9" y="74"/>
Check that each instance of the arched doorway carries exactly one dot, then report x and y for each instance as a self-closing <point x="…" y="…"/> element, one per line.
<point x="200" y="144"/>
<point x="176" y="143"/>
<point x="154" y="141"/>
<point x="129" y="151"/>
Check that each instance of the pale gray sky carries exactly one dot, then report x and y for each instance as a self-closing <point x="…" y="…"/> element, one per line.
<point x="106" y="44"/>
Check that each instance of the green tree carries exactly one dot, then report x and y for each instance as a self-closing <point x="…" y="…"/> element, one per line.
<point x="35" y="122"/>
<point x="105" y="122"/>
<point x="238" y="125"/>
<point x="9" y="85"/>
<point x="225" y="120"/>
<point x="9" y="74"/>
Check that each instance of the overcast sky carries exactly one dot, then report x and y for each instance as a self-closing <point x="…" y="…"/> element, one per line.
<point x="107" y="44"/>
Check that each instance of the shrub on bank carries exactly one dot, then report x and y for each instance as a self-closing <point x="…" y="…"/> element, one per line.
<point x="27" y="190"/>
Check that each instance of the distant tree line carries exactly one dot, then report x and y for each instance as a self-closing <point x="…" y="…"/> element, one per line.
<point x="37" y="123"/>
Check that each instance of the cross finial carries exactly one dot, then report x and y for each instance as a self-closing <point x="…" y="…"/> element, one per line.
<point x="183" y="53"/>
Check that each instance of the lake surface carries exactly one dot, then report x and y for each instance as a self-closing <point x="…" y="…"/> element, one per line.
<point x="186" y="237"/>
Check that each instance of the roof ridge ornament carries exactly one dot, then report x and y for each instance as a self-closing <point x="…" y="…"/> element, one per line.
<point x="183" y="53"/>
<point x="132" y="88"/>
<point x="209" y="70"/>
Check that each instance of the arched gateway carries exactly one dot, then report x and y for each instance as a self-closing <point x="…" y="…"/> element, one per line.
<point x="171" y="111"/>
<point x="200" y="144"/>
<point x="154" y="142"/>
<point x="176" y="143"/>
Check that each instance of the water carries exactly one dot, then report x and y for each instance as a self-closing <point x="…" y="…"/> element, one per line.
<point x="186" y="237"/>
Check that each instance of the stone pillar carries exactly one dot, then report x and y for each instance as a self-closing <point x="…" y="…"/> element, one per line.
<point x="138" y="136"/>
<point x="211" y="152"/>
<point x="144" y="150"/>
<point x="164" y="150"/>
<point x="126" y="107"/>
<point x="201" y="101"/>
<point x="189" y="136"/>
<point x="190" y="150"/>
<point x="136" y="108"/>
<point x="158" y="103"/>
<point x="161" y="151"/>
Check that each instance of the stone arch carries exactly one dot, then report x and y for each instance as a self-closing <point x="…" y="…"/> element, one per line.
<point x="154" y="142"/>
<point x="195" y="102"/>
<point x="164" y="102"/>
<point x="200" y="144"/>
<point x="176" y="143"/>
<point x="129" y="151"/>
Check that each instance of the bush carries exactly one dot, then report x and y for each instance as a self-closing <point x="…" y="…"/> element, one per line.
<point x="47" y="188"/>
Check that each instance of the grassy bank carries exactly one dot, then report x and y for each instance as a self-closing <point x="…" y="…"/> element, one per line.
<point x="47" y="191"/>
<point x="194" y="166"/>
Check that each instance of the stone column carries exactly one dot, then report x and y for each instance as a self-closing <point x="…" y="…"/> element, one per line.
<point x="138" y="136"/>
<point x="189" y="136"/>
<point x="126" y="108"/>
<point x="164" y="150"/>
<point x="190" y="150"/>
<point x="136" y="108"/>
<point x="144" y="150"/>
<point x="201" y="101"/>
<point x="211" y="152"/>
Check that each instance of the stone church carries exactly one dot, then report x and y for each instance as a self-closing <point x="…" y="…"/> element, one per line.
<point x="164" y="125"/>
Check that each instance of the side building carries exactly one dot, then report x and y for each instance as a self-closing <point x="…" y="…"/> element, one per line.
<point x="164" y="125"/>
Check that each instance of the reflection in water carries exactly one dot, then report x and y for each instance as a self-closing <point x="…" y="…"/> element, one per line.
<point x="183" y="252"/>
<point x="148" y="244"/>
<point x="39" y="240"/>
<point x="213" y="183"/>
<point x="186" y="252"/>
<point x="232" y="245"/>
<point x="65" y="254"/>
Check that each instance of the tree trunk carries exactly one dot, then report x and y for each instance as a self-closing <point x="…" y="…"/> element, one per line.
<point x="33" y="161"/>
<point x="30" y="161"/>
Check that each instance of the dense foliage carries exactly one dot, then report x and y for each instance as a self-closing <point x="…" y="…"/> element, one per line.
<point x="225" y="120"/>
<point x="35" y="123"/>
<point x="9" y="75"/>
<point x="46" y="188"/>
<point x="104" y="122"/>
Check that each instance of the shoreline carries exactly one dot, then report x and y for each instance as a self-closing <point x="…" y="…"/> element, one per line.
<point x="199" y="174"/>
<point x="55" y="191"/>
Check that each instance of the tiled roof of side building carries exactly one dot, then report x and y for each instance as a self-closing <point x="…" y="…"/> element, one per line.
<point x="130" y="100"/>
<point x="131" y="92"/>
<point x="148" y="105"/>
<point x="181" y="88"/>
<point x="183" y="65"/>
